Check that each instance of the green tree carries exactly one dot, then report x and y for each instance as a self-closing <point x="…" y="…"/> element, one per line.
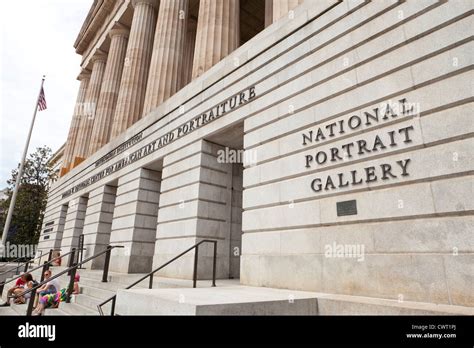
<point x="27" y="218"/>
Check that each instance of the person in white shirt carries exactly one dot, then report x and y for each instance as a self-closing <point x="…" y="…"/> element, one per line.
<point x="50" y="287"/>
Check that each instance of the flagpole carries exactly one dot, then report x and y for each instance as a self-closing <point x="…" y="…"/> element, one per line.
<point x="20" y="171"/>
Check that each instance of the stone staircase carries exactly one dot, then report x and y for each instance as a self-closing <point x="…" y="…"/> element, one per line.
<point x="93" y="291"/>
<point x="7" y="270"/>
<point x="176" y="297"/>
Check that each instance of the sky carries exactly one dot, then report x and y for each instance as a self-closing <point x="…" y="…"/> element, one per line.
<point x="36" y="39"/>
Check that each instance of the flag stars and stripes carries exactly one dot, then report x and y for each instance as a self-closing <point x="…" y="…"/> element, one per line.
<point x="42" y="101"/>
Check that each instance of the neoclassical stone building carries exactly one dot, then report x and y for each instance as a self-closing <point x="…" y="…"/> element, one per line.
<point x="354" y="119"/>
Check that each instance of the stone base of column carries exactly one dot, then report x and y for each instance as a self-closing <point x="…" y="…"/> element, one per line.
<point x="75" y="162"/>
<point x="98" y="224"/>
<point x="122" y="262"/>
<point x="63" y="171"/>
<point x="134" y="221"/>
<point x="74" y="224"/>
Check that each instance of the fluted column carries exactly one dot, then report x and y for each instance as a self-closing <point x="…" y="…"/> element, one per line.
<point x="189" y="45"/>
<point x="164" y="78"/>
<point x="137" y="62"/>
<point x="84" y="77"/>
<point x="217" y="33"/>
<point x="110" y="89"/>
<point x="268" y="12"/>
<point x="81" y="148"/>
<point x="282" y="7"/>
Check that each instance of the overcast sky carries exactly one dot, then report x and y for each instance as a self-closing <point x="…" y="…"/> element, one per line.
<point x="37" y="38"/>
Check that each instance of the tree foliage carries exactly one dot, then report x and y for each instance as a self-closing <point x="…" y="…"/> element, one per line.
<point x="31" y="200"/>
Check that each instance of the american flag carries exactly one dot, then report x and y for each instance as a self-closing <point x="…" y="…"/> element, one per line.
<point x="41" y="101"/>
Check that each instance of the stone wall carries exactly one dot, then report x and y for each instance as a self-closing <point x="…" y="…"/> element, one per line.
<point x="319" y="143"/>
<point x="200" y="199"/>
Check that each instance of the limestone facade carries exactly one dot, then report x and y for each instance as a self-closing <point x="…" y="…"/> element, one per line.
<point x="355" y="129"/>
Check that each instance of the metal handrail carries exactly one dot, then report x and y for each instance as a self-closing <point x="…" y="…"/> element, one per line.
<point x="150" y="285"/>
<point x="14" y="267"/>
<point x="28" y="262"/>
<point x="72" y="272"/>
<point x="14" y="261"/>
<point x="81" y="248"/>
<point x="45" y="267"/>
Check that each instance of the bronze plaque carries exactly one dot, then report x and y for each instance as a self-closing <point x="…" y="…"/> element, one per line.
<point x="346" y="208"/>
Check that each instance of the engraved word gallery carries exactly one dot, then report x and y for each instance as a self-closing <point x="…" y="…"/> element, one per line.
<point x="365" y="146"/>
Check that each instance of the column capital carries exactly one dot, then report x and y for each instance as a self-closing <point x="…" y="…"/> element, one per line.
<point x="154" y="3"/>
<point x="119" y="30"/>
<point x="99" y="56"/>
<point x="84" y="74"/>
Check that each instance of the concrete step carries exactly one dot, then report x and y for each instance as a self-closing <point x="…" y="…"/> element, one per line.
<point x="246" y="300"/>
<point x="109" y="286"/>
<point x="87" y="301"/>
<point x="15" y="266"/>
<point x="92" y="302"/>
<point x="4" y="311"/>
<point x="121" y="280"/>
<point x="158" y="282"/>
<point x="100" y="293"/>
<point x="75" y="309"/>
<point x="54" y="312"/>
<point x="20" y="310"/>
<point x="127" y="279"/>
<point x="223" y="300"/>
<point x="9" y="273"/>
<point x="93" y="291"/>
<point x="63" y="310"/>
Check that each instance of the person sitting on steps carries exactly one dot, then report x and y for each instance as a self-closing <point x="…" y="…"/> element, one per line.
<point x="17" y="294"/>
<point x="53" y="300"/>
<point x="18" y="285"/>
<point x="51" y="287"/>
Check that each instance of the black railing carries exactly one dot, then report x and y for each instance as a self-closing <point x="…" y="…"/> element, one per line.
<point x="71" y="271"/>
<point x="26" y="265"/>
<point x="80" y="254"/>
<point x="21" y="263"/>
<point x="13" y="261"/>
<point x="151" y="274"/>
<point x="19" y="260"/>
